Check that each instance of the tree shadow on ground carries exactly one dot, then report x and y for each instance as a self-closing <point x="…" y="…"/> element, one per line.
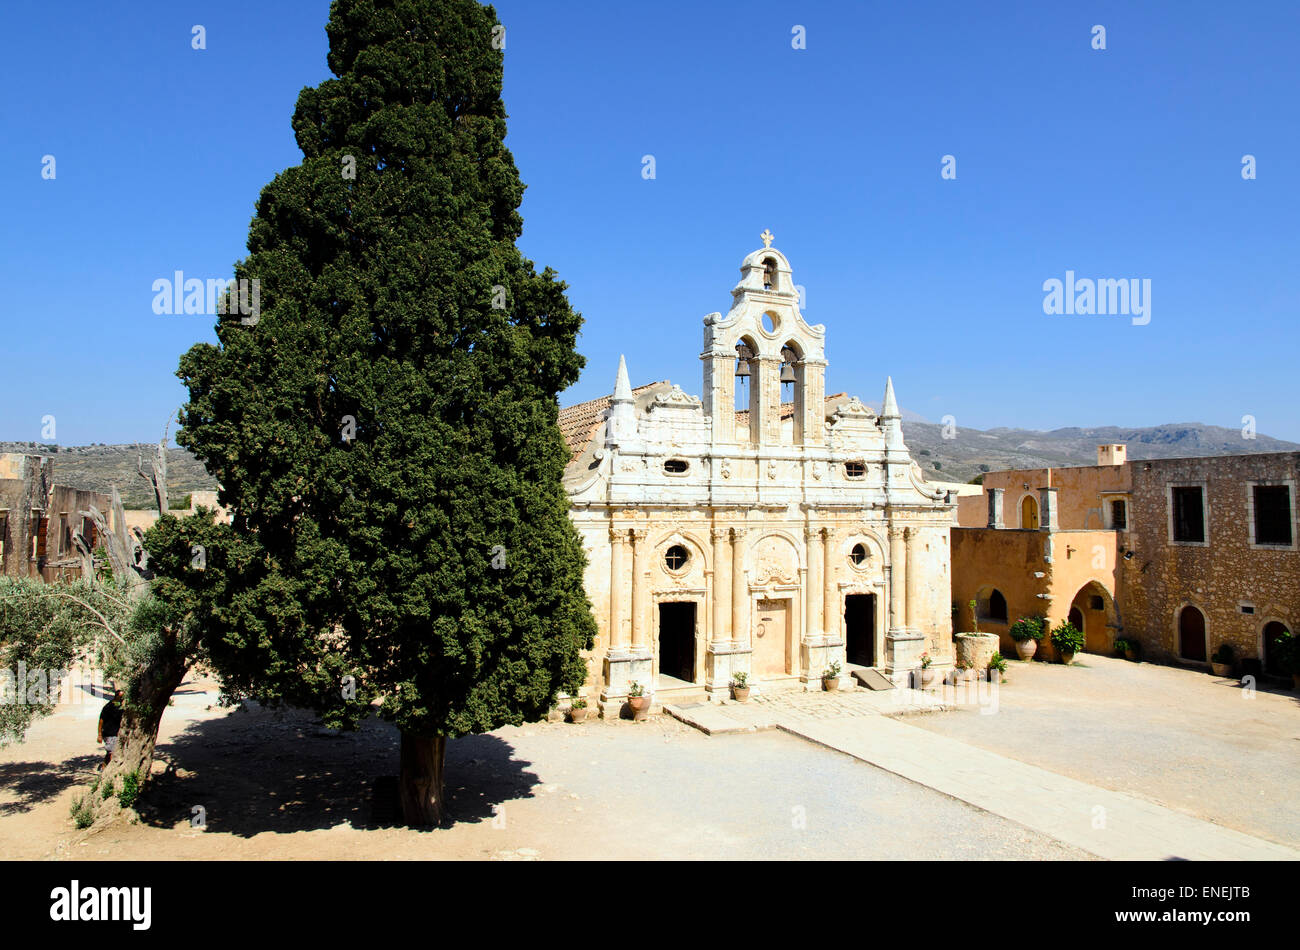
<point x="258" y="770"/>
<point x="36" y="782"/>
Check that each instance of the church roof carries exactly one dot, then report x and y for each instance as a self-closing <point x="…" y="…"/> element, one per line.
<point x="787" y="409"/>
<point x="578" y="424"/>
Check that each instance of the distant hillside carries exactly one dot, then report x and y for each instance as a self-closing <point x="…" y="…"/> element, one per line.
<point x="974" y="451"/>
<point x="98" y="467"/>
<point x="960" y="459"/>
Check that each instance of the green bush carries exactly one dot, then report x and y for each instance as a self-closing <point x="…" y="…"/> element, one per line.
<point x="1067" y="638"/>
<point x="1028" y="628"/>
<point x="130" y="789"/>
<point x="998" y="663"/>
<point x="83" y="812"/>
<point x="1288" y="652"/>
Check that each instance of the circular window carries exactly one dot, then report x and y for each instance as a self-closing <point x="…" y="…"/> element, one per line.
<point x="858" y="555"/>
<point x="676" y="557"/>
<point x="770" y="322"/>
<point x="676" y="466"/>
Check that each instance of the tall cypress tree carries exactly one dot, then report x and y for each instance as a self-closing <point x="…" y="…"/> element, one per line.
<point x="386" y="429"/>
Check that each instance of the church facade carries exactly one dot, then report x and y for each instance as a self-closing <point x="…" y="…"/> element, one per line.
<point x="773" y="538"/>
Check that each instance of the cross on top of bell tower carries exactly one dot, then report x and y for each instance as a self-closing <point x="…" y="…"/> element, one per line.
<point x="767" y="237"/>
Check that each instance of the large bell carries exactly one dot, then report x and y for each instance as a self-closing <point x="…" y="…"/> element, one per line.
<point x="743" y="355"/>
<point x="788" y="358"/>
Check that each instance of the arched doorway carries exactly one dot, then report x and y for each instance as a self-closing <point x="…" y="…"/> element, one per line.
<point x="1273" y="631"/>
<point x="1191" y="634"/>
<point x="1075" y="617"/>
<point x="1029" y="513"/>
<point x="1093" y="612"/>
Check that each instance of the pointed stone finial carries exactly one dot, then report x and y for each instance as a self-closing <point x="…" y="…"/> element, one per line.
<point x="622" y="387"/>
<point x="889" y="408"/>
<point x="768" y="237"/>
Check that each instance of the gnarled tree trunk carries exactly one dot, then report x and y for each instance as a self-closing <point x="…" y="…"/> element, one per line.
<point x="420" y="782"/>
<point x="142" y="714"/>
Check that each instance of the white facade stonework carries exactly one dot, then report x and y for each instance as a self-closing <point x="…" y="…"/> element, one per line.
<point x="770" y="541"/>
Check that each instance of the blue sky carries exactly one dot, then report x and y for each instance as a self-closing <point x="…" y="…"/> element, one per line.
<point x="1122" y="163"/>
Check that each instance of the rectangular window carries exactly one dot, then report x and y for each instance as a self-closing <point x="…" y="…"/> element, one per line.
<point x="38" y="542"/>
<point x="1119" y="515"/>
<point x="4" y="537"/>
<point x="1189" y="515"/>
<point x="1273" y="514"/>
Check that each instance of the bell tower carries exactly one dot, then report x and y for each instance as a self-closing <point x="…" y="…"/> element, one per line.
<point x="765" y="340"/>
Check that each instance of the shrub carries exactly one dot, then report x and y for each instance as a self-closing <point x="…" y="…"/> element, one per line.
<point x="1067" y="638"/>
<point x="83" y="812"/>
<point x="130" y="789"/>
<point x="107" y="792"/>
<point x="1288" y="652"/>
<point x="996" y="662"/>
<point x="1223" y="655"/>
<point x="1028" y="628"/>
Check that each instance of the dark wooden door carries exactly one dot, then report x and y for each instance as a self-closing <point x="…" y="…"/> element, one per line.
<point x="1191" y="634"/>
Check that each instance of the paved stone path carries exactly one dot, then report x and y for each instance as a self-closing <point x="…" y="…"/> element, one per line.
<point x="1108" y="824"/>
<point x="771" y="710"/>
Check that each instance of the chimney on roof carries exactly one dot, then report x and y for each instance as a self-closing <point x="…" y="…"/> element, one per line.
<point x="1115" y="453"/>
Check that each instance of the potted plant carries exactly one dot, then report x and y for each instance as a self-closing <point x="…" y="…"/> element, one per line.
<point x="740" y="687"/>
<point x="1132" y="649"/>
<point x="577" y="709"/>
<point x="927" y="674"/>
<point x="1221" y="661"/>
<point x="638" y="701"/>
<point x="1068" y="640"/>
<point x="997" y="669"/>
<point x="831" y="677"/>
<point x="1026" y="632"/>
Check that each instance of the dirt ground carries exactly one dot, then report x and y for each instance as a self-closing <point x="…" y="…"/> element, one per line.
<point x="1193" y="742"/>
<point x="274" y="785"/>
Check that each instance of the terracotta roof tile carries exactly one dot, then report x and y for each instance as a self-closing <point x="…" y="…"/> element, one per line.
<point x="578" y="424"/>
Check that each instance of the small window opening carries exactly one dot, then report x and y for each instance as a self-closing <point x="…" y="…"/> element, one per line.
<point x="676" y="557"/>
<point x="859" y="554"/>
<point x="855" y="469"/>
<point x="676" y="466"/>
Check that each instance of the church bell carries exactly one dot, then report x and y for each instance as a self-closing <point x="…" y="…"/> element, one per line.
<point x="743" y="355"/>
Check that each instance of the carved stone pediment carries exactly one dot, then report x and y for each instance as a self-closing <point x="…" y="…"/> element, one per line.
<point x="853" y="409"/>
<point x="676" y="398"/>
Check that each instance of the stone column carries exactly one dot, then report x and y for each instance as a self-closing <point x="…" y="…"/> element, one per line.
<point x="618" y="541"/>
<point x="897" y="577"/>
<point x="768" y="370"/>
<point x="720" y="592"/>
<point x="739" y="596"/>
<point x="639" y="570"/>
<point x="812" y="592"/>
<point x="912" y="585"/>
<point x="830" y="601"/>
<point x="995" y="507"/>
<point x="1047" y="515"/>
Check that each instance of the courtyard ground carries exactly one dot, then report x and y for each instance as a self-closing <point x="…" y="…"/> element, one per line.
<point x="1199" y="744"/>
<point x="273" y="785"/>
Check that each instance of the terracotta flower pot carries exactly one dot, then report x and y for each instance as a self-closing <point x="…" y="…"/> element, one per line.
<point x="1025" y="649"/>
<point x="1221" y="669"/>
<point x="830" y="683"/>
<point x="1067" y="658"/>
<point x="578" y="715"/>
<point x="640" y="707"/>
<point x="1130" y="655"/>
<point x="740" y="693"/>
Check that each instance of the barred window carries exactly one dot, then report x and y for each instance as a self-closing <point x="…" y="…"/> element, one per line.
<point x="1189" y="514"/>
<point x="1273" y="514"/>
